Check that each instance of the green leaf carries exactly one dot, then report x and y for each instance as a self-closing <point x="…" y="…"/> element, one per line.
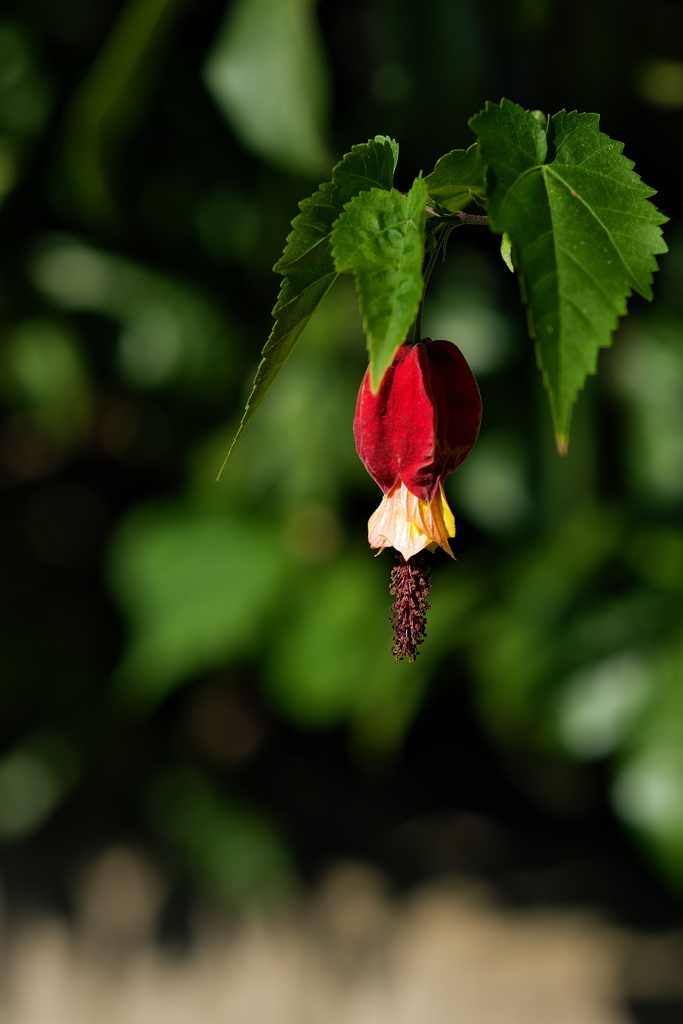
<point x="267" y="73"/>
<point x="369" y="165"/>
<point x="583" y="231"/>
<point x="456" y="177"/>
<point x="228" y="846"/>
<point x="381" y="237"/>
<point x="327" y="662"/>
<point x="506" y="252"/>
<point x="111" y="102"/>
<point x="194" y="587"/>
<point x="648" y="786"/>
<point x="307" y="260"/>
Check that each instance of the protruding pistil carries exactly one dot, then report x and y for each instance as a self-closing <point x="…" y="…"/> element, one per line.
<point x="410" y="583"/>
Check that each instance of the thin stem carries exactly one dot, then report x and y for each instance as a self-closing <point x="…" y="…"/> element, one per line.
<point x="471" y="218"/>
<point x="460" y="215"/>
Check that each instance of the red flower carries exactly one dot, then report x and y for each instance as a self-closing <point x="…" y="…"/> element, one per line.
<point x="419" y="427"/>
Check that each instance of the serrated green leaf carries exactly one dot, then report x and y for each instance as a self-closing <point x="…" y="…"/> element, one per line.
<point x="381" y="237"/>
<point x="307" y="260"/>
<point x="584" y="233"/>
<point x="456" y="177"/>
<point x="369" y="165"/>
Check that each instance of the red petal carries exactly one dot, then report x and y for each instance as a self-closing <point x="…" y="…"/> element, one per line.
<point x="394" y="429"/>
<point x="458" y="403"/>
<point x="423" y="420"/>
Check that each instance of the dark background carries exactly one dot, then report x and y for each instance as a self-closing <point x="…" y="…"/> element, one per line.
<point x="203" y="668"/>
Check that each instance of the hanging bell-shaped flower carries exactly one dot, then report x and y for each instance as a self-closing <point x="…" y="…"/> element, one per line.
<point x="417" y="428"/>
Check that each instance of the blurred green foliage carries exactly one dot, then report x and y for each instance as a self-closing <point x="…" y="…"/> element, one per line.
<point x="151" y="158"/>
<point x="280" y="114"/>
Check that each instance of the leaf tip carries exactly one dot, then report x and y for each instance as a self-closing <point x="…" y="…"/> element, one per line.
<point x="376" y="374"/>
<point x="562" y="442"/>
<point x="506" y="251"/>
<point x="227" y="457"/>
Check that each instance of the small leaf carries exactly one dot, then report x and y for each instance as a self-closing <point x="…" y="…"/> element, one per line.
<point x="381" y="237"/>
<point x="307" y="260"/>
<point x="506" y="251"/>
<point x="456" y="177"/>
<point x="583" y="231"/>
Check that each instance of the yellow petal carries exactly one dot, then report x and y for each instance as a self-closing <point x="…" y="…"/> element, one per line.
<point x="404" y="522"/>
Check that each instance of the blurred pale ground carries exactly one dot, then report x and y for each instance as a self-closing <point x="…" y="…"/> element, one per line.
<point x="348" y="954"/>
